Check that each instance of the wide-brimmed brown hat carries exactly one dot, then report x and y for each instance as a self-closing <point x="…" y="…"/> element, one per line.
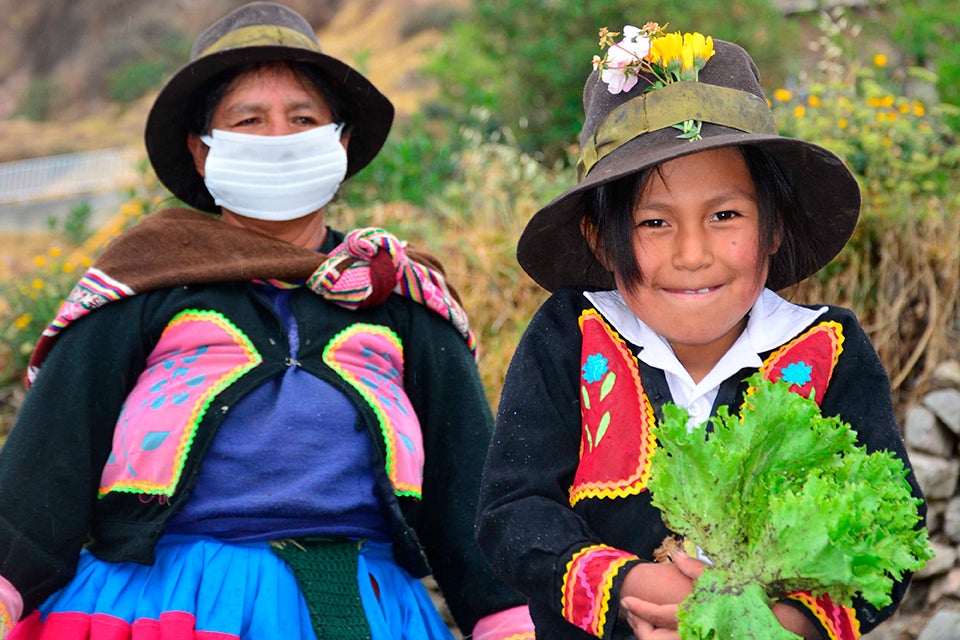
<point x="255" y="32"/>
<point x="626" y="132"/>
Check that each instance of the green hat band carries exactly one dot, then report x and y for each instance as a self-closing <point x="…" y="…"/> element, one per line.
<point x="673" y="104"/>
<point x="262" y="35"/>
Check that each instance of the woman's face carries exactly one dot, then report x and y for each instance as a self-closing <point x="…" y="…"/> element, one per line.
<point x="696" y="239"/>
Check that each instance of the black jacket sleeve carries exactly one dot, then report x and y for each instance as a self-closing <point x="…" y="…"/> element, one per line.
<point x="444" y="386"/>
<point x="50" y="464"/>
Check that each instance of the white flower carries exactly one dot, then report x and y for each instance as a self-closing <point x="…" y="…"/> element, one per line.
<point x="623" y="60"/>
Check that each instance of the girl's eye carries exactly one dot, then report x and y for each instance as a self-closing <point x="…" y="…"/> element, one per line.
<point x="725" y="215"/>
<point x="652" y="223"/>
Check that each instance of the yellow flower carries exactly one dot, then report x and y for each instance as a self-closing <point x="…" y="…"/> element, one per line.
<point x="799" y="111"/>
<point x="131" y="208"/>
<point x="887" y="142"/>
<point x="700" y="47"/>
<point x="53" y="252"/>
<point x="918" y="109"/>
<point x="887" y="101"/>
<point x="879" y="60"/>
<point x="782" y="95"/>
<point x="40" y="261"/>
<point x="36" y="284"/>
<point x="843" y="123"/>
<point x="814" y="101"/>
<point x="86" y="262"/>
<point x="904" y="108"/>
<point x="68" y="267"/>
<point x="23" y="321"/>
<point x="667" y="49"/>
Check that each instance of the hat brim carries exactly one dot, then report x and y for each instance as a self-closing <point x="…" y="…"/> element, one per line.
<point x="554" y="252"/>
<point x="370" y="112"/>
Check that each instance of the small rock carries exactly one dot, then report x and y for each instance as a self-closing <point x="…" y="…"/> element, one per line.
<point x="937" y="476"/>
<point x="944" y="625"/>
<point x="947" y="374"/>
<point x="945" y="403"/>
<point x="940" y="564"/>
<point x="923" y="432"/>
<point x="951" y="520"/>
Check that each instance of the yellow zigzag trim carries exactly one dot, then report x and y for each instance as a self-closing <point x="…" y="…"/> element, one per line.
<point x="808" y="601"/>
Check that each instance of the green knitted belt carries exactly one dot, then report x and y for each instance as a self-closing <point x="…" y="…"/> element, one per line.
<point x="326" y="571"/>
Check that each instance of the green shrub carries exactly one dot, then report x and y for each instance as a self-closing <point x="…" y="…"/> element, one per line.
<point x="40" y="99"/>
<point x="524" y="62"/>
<point x="134" y="79"/>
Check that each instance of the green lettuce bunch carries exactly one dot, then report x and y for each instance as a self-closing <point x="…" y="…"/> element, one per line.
<point x="781" y="499"/>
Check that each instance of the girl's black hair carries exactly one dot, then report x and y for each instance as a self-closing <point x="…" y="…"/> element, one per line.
<point x="609" y="221"/>
<point x="208" y="97"/>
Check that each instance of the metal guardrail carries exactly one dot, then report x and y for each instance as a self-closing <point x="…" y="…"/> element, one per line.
<point x="68" y="175"/>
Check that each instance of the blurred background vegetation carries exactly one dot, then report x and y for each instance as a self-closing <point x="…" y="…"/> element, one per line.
<point x="490" y="112"/>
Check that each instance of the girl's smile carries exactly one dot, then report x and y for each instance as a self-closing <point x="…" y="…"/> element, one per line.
<point x="696" y="241"/>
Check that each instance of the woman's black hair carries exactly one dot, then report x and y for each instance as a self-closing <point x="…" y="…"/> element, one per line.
<point x="208" y="97"/>
<point x="610" y="227"/>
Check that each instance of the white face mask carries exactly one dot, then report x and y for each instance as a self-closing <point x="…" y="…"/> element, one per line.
<point x="275" y="177"/>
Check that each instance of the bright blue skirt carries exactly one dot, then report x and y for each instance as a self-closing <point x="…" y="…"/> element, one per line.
<point x="200" y="588"/>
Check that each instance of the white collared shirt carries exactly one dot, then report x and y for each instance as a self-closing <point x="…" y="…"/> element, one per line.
<point x="771" y="323"/>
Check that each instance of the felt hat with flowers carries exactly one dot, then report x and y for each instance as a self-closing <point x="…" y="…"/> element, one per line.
<point x="255" y="32"/>
<point x="657" y="96"/>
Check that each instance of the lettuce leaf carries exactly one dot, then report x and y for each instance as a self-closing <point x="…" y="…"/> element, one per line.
<point x="781" y="499"/>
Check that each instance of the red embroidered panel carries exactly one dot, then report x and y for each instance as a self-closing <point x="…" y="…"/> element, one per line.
<point x="615" y="442"/>
<point x="807" y="361"/>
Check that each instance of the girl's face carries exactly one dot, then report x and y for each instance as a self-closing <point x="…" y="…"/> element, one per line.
<point x="696" y="238"/>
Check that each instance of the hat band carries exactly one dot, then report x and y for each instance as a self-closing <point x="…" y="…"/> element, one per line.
<point x="670" y="105"/>
<point x="260" y="35"/>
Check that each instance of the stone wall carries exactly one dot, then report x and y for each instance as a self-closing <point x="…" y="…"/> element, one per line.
<point x="931" y="429"/>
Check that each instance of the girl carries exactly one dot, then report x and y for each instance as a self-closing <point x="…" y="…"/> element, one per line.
<point x="690" y="212"/>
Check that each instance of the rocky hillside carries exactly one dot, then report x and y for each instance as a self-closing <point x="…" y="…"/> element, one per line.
<point x="73" y="50"/>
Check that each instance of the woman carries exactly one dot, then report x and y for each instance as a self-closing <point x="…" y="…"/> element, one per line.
<point x="251" y="436"/>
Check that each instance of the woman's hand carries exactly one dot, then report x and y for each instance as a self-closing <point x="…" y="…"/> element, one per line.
<point x="651" y="594"/>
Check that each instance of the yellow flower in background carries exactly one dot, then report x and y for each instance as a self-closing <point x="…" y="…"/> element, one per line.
<point x="131" y="208"/>
<point x="814" y="101"/>
<point x="799" y="111"/>
<point x="23" y="321"/>
<point x="40" y="261"/>
<point x="54" y="252"/>
<point x="843" y="123"/>
<point x="782" y="95"/>
<point x="68" y="267"/>
<point x="879" y="60"/>
<point x="918" y="109"/>
<point x="37" y="284"/>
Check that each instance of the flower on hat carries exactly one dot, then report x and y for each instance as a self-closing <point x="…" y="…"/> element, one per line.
<point x="668" y="57"/>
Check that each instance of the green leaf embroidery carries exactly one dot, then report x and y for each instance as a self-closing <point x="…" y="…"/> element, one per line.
<point x="608" y="381"/>
<point x="602" y="429"/>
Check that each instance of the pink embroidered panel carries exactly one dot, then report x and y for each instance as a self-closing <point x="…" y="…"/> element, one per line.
<point x="370" y="358"/>
<point x="199" y="354"/>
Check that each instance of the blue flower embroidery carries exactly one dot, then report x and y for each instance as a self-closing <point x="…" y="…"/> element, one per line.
<point x="595" y="368"/>
<point x="797" y="373"/>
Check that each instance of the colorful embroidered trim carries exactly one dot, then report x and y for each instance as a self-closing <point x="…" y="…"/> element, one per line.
<point x="94" y="289"/>
<point x="587" y="583"/>
<point x="370" y="358"/>
<point x="199" y="354"/>
<point x="839" y="622"/>
<point x="807" y="362"/>
<point x="617" y="417"/>
<point x="345" y="278"/>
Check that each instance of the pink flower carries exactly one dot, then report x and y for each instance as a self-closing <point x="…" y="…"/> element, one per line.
<point x="623" y="60"/>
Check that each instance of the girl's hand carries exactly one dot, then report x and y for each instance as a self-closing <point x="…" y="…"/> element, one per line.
<point x="651" y="594"/>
